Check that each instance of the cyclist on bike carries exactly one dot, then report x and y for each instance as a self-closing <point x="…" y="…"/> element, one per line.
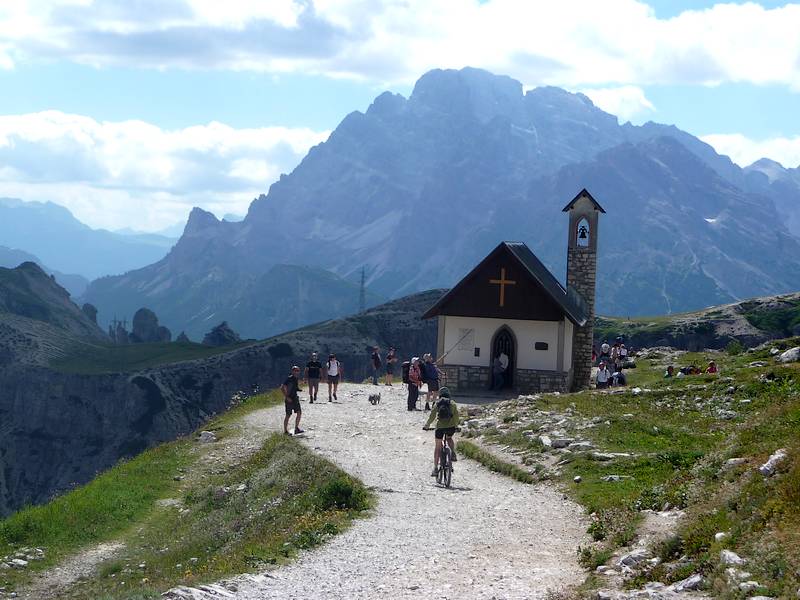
<point x="445" y="412"/>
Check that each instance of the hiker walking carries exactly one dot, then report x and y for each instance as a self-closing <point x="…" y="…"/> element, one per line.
<point x="391" y="358"/>
<point x="375" y="361"/>
<point x="291" y="398"/>
<point x="333" y="373"/>
<point x="432" y="375"/>
<point x="414" y="383"/>
<point x="311" y="377"/>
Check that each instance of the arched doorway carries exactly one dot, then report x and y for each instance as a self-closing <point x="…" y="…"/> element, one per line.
<point x="504" y="342"/>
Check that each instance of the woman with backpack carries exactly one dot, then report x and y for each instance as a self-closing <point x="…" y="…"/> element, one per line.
<point x="333" y="373"/>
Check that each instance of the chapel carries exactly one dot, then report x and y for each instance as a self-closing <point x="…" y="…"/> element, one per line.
<point x="512" y="308"/>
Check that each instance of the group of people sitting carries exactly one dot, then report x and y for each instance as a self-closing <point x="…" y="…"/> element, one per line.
<point x="711" y="369"/>
<point x="611" y="362"/>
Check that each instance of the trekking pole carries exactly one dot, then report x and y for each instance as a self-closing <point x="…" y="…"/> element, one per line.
<point x="453" y="346"/>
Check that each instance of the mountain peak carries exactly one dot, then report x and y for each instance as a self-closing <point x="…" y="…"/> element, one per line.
<point x="199" y="220"/>
<point x="469" y="92"/>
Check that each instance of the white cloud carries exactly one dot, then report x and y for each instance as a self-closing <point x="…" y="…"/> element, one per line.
<point x="132" y="173"/>
<point x="627" y="102"/>
<point x="745" y="151"/>
<point x="572" y="43"/>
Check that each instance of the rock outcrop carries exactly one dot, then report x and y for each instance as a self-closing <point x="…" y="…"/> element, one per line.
<point x="146" y="329"/>
<point x="221" y="335"/>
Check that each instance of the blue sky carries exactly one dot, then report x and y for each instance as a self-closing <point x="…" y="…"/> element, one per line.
<point x="131" y="113"/>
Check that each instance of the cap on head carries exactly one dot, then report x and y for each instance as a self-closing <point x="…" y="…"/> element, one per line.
<point x="444" y="392"/>
<point x="295" y="368"/>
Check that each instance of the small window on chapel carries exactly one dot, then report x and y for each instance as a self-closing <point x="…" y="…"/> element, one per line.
<point x="541" y="346"/>
<point x="477" y="351"/>
<point x="582" y="233"/>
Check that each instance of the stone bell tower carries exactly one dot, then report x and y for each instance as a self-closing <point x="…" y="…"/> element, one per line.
<point x="584" y="212"/>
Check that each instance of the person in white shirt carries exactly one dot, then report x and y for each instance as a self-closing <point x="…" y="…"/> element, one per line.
<point x="603" y="376"/>
<point x="333" y="372"/>
<point x="504" y="361"/>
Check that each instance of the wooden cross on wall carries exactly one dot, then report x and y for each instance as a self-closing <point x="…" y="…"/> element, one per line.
<point x="502" y="282"/>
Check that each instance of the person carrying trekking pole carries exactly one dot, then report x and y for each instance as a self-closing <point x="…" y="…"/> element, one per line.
<point x="291" y="398"/>
<point x="445" y="413"/>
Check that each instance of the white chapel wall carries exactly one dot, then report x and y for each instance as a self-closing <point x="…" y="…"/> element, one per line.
<point x="526" y="332"/>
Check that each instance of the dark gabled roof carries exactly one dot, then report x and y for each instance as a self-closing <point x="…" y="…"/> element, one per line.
<point x="581" y="194"/>
<point x="570" y="302"/>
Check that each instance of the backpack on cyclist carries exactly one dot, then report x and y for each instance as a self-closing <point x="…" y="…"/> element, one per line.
<point x="444" y="409"/>
<point x="406" y="367"/>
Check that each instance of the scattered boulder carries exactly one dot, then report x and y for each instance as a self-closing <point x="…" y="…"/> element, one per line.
<point x="221" y="335"/>
<point x="206" y="437"/>
<point x="562" y="442"/>
<point x="732" y="463"/>
<point x="769" y="467"/>
<point x="691" y="583"/>
<point x="634" y="558"/>
<point x="791" y="355"/>
<point x="728" y="557"/>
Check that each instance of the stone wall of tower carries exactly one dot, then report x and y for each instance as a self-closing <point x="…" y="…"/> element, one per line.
<point x="582" y="275"/>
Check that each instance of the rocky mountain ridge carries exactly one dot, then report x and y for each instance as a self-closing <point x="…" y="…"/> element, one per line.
<point x="417" y="190"/>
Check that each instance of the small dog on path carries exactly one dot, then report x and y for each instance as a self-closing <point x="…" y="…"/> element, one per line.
<point x="374" y="399"/>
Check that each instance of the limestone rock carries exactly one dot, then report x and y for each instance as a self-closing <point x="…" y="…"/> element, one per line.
<point x="727" y="557"/>
<point x="146" y="329"/>
<point x="221" y="335"/>
<point x="769" y="467"/>
<point x="206" y="437"/>
<point x="634" y="558"/>
<point x="562" y="442"/>
<point x="691" y="583"/>
<point x="791" y="355"/>
<point x="183" y="338"/>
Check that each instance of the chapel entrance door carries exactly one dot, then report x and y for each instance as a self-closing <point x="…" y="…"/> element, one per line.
<point x="504" y="343"/>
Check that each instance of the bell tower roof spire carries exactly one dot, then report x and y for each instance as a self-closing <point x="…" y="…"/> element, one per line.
<point x="584" y="193"/>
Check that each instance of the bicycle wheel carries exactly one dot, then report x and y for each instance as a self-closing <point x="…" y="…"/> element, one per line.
<point x="439" y="475"/>
<point x="448" y="474"/>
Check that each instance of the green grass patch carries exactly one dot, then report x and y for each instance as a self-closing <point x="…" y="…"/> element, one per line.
<point x="110" y="504"/>
<point x="108" y="358"/>
<point x="283" y="499"/>
<point x="493" y="463"/>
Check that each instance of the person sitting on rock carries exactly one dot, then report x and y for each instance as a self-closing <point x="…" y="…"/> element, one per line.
<point x="602" y="377"/>
<point x="670" y="372"/>
<point x="712" y="368"/>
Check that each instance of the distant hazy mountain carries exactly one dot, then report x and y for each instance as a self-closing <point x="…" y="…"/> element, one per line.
<point x="232" y="218"/>
<point x="417" y="190"/>
<point x="63" y="243"/>
<point x="256" y="304"/>
<point x="74" y="284"/>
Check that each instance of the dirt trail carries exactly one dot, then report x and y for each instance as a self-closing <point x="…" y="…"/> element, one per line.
<point x="487" y="537"/>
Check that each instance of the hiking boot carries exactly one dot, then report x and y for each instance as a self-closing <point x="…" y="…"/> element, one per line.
<point x="427" y="406"/>
<point x="298" y="431"/>
<point x="434" y="472"/>
<point x="334" y="397"/>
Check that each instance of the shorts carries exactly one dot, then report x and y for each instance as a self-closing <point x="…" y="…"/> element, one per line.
<point x="313" y="381"/>
<point x="293" y="406"/>
<point x="433" y="386"/>
<point x="602" y="384"/>
<point x="333" y="379"/>
<point x="390" y="369"/>
<point x="447" y="431"/>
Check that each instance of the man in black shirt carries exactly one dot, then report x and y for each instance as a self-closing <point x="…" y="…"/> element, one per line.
<point x="290" y="389"/>
<point x="313" y="370"/>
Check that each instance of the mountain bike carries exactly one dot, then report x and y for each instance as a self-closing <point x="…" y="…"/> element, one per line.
<point x="444" y="472"/>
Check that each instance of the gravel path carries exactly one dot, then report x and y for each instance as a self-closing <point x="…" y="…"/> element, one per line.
<point x="486" y="537"/>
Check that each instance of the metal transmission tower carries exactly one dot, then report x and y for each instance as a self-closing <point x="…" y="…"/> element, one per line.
<point x="362" y="299"/>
